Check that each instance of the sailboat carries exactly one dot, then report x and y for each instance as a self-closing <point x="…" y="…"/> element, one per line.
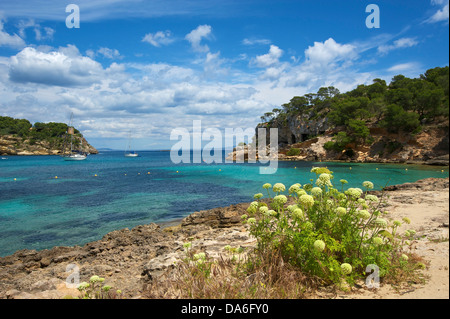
<point x="129" y="152"/>
<point x="73" y="156"/>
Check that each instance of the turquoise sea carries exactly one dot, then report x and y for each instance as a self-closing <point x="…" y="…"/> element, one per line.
<point x="108" y="191"/>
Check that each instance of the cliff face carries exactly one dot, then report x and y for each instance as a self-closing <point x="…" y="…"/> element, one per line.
<point x="14" y="145"/>
<point x="296" y="129"/>
<point x="309" y="134"/>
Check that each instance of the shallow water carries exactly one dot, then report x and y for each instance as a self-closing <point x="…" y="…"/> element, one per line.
<point x="39" y="211"/>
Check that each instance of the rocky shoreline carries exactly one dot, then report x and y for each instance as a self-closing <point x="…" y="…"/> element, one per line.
<point x="313" y="150"/>
<point x="129" y="259"/>
<point x="11" y="145"/>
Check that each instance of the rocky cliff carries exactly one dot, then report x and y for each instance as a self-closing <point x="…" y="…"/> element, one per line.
<point x="406" y="120"/>
<point x="15" y="145"/>
<point x="309" y="135"/>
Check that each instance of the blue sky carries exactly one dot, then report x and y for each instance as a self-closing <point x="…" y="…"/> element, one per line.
<point x="152" y="66"/>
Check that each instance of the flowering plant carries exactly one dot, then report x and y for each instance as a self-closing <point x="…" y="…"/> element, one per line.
<point x="330" y="234"/>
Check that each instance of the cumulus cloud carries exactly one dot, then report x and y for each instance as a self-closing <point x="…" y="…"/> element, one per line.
<point x="324" y="53"/>
<point x="159" y="38"/>
<point x="269" y="59"/>
<point x="398" y="44"/>
<point x="157" y="97"/>
<point x="13" y="41"/>
<point x="326" y="63"/>
<point x="196" y="36"/>
<point x="64" y="67"/>
<point x="153" y="97"/>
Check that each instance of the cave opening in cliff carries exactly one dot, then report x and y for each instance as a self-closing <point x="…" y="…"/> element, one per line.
<point x="293" y="139"/>
<point x="304" y="137"/>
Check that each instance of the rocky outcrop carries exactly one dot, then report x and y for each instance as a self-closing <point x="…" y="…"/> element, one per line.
<point x="429" y="184"/>
<point x="309" y="134"/>
<point x="296" y="129"/>
<point x="14" y="145"/>
<point x="127" y="259"/>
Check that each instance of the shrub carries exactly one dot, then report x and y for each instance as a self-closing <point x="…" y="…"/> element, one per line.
<point x="329" y="145"/>
<point x="331" y="235"/>
<point x="95" y="289"/>
<point x="293" y="152"/>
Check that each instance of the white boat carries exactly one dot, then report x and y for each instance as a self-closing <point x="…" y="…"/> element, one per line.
<point x="73" y="156"/>
<point x="129" y="152"/>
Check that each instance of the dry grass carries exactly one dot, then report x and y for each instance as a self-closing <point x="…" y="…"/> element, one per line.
<point x="261" y="277"/>
<point x="229" y="279"/>
<point x="408" y="273"/>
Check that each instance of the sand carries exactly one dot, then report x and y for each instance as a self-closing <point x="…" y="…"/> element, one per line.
<point x="428" y="211"/>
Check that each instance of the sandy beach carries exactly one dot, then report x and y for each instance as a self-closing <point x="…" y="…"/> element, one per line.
<point x="426" y="204"/>
<point x="129" y="259"/>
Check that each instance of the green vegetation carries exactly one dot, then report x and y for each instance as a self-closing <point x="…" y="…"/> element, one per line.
<point x="331" y="235"/>
<point x="319" y="235"/>
<point x="293" y="152"/>
<point x="403" y="106"/>
<point x="19" y="127"/>
<point x="96" y="289"/>
<point x="52" y="133"/>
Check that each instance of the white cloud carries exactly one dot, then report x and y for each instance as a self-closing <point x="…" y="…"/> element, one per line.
<point x="329" y="52"/>
<point x="105" y="53"/>
<point x="159" y="38"/>
<point x="398" y="44"/>
<point x="326" y="63"/>
<point x="253" y="41"/>
<point x="269" y="59"/>
<point x="441" y="14"/>
<point x="65" y="67"/>
<point x="197" y="35"/>
<point x="97" y="10"/>
<point x="13" y="41"/>
<point x="41" y="33"/>
<point x="109" y="53"/>
<point x="152" y="98"/>
<point x="410" y="66"/>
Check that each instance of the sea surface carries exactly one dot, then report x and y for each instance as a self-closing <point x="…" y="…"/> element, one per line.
<point x="46" y="201"/>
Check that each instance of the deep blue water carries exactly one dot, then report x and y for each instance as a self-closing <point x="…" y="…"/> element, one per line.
<point x="39" y="211"/>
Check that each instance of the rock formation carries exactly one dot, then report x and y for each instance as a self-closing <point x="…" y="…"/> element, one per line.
<point x="309" y="135"/>
<point x="14" y="145"/>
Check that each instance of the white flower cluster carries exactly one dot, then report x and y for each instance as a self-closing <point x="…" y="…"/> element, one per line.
<point x="307" y="200"/>
<point x="354" y="193"/>
<point x="294" y="188"/>
<point x="316" y="191"/>
<point x="324" y="180"/>
<point x="278" y="188"/>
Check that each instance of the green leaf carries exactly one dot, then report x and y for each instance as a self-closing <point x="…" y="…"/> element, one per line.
<point x="386" y="234"/>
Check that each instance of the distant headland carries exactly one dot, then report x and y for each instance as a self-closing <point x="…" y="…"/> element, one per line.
<point x="20" y="137"/>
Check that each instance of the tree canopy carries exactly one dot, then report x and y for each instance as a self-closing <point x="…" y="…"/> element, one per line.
<point x="51" y="132"/>
<point x="403" y="105"/>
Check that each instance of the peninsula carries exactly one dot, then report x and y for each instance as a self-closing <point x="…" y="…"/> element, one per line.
<point x="20" y="137"/>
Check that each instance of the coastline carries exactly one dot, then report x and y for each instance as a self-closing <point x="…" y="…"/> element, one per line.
<point x="129" y="259"/>
<point x="435" y="162"/>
